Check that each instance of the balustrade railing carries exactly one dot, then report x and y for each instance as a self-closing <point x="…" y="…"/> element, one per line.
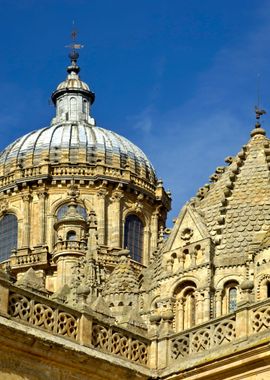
<point x="70" y="245"/>
<point x="201" y="339"/>
<point x="246" y="321"/>
<point x="41" y="312"/>
<point x="113" y="341"/>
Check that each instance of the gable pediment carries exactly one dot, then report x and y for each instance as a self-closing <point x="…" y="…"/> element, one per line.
<point x="189" y="228"/>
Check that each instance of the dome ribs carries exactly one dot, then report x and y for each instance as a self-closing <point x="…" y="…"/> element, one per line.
<point x="97" y="151"/>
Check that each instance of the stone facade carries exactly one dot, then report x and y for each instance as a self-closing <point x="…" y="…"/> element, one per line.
<point x="92" y="283"/>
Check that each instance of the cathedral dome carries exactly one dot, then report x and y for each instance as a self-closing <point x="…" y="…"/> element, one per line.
<point x="76" y="143"/>
<point x="74" y="139"/>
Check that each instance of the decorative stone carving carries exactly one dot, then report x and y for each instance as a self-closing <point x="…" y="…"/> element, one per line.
<point x="109" y="340"/>
<point x="3" y="206"/>
<point x="42" y="315"/>
<point x="186" y="234"/>
<point x="73" y="191"/>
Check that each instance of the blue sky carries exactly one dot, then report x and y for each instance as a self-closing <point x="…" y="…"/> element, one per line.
<point x="178" y="78"/>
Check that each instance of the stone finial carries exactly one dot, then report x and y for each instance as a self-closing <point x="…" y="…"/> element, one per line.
<point x="258" y="130"/>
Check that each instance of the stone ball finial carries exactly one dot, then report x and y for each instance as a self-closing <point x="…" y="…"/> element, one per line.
<point x="247" y="285"/>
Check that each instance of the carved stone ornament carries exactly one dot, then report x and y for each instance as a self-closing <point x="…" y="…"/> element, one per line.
<point x="186" y="233"/>
<point x="3" y="206"/>
<point x="73" y="191"/>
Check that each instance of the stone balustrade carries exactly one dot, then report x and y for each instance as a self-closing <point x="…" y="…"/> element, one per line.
<point x="43" y="313"/>
<point x="248" y="320"/>
<point x="35" y="258"/>
<point x="70" y="246"/>
<point x="83" y="171"/>
<point x="165" y="349"/>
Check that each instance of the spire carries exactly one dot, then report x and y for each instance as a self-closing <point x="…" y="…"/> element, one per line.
<point x="258" y="130"/>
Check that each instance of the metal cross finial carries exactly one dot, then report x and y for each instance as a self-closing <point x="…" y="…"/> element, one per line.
<point x="259" y="112"/>
<point x="74" y="46"/>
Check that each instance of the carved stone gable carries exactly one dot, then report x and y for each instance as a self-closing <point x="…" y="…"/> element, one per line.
<point x="189" y="228"/>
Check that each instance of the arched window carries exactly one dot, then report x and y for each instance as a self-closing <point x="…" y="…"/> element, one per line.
<point x="185" y="306"/>
<point x="229" y="297"/>
<point x="73" y="108"/>
<point x="71" y="236"/>
<point x="63" y="210"/>
<point x="232" y="300"/>
<point x="133" y="237"/>
<point x="60" y="107"/>
<point x="8" y="235"/>
<point x="85" y="107"/>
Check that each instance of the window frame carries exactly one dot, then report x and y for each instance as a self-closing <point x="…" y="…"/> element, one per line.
<point x="6" y="236"/>
<point x="136" y="247"/>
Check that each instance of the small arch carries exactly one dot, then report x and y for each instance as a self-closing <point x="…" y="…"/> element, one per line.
<point x="174" y="255"/>
<point x="71" y="236"/>
<point x="263" y="287"/>
<point x="185" y="305"/>
<point x="120" y="304"/>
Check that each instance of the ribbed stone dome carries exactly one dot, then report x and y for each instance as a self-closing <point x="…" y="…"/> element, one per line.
<point x="77" y="143"/>
<point x="73" y="83"/>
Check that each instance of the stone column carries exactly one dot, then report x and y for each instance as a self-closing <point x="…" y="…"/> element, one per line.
<point x="116" y="219"/>
<point x="101" y="212"/>
<point x="154" y="231"/>
<point x="50" y="231"/>
<point x="218" y="303"/>
<point x="146" y="245"/>
<point x="42" y="195"/>
<point x="199" y="307"/>
<point x="26" y="216"/>
<point x="206" y="306"/>
<point x="180" y="315"/>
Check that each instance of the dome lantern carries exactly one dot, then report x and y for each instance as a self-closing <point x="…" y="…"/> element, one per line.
<point x="73" y="97"/>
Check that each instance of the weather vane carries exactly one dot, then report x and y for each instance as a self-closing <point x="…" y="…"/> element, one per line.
<point x="74" y="46"/>
<point x="258" y="110"/>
